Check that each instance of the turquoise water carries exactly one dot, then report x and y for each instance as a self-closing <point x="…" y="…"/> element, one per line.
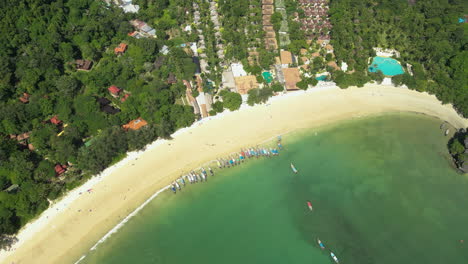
<point x="321" y="78"/>
<point x="388" y="66"/>
<point x="382" y="188"/>
<point x="267" y="76"/>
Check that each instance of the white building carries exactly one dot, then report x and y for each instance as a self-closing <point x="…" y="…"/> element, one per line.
<point x="238" y="70"/>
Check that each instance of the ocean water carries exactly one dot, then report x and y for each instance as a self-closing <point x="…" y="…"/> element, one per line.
<point x="382" y="189"/>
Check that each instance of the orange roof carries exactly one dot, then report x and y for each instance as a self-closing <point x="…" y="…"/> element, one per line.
<point x="24" y="98"/>
<point x="316" y="54"/>
<point x="124" y="98"/>
<point x="121" y="48"/>
<point x="291" y="77"/>
<point x="286" y="57"/>
<point x="303" y="51"/>
<point x="54" y="120"/>
<point x="135" y="124"/>
<point x="59" y="169"/>
<point x="329" y="47"/>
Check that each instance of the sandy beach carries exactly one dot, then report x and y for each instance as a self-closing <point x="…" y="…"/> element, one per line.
<point x="70" y="227"/>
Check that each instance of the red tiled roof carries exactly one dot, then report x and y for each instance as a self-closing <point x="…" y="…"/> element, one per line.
<point x="59" y="169"/>
<point x="124" y="98"/>
<point x="24" y="98"/>
<point x="114" y="89"/>
<point x="54" y="120"/>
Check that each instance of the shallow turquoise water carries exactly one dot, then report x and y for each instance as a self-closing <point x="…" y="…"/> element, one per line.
<point x="321" y="78"/>
<point x="382" y="188"/>
<point x="388" y="66"/>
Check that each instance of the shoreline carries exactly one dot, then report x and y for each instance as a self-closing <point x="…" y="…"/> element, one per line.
<point x="62" y="233"/>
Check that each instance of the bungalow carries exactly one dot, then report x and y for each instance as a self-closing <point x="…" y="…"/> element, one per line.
<point x="135" y="34"/>
<point x="23" y="136"/>
<point x="125" y="97"/>
<point x="119" y="50"/>
<point x="25" y="98"/>
<point x="114" y="90"/>
<point x="291" y="78"/>
<point x="135" y="124"/>
<point x="171" y="78"/>
<point x="286" y="58"/>
<point x="60" y="169"/>
<point x="164" y="50"/>
<point x="84" y="65"/>
<point x="54" y="120"/>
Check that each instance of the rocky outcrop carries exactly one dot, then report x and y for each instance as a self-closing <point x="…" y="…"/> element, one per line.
<point x="458" y="147"/>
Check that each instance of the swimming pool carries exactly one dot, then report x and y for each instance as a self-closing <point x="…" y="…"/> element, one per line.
<point x="388" y="66"/>
<point x="321" y="78"/>
<point x="267" y="76"/>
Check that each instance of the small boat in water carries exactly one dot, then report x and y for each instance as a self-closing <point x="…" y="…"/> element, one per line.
<point x="309" y="204"/>
<point x="334" y="257"/>
<point x="321" y="245"/>
<point x="447" y="132"/>
<point x="173" y="188"/>
<point x="293" y="168"/>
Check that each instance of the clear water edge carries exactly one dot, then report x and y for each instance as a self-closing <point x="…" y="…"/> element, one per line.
<point x="293" y="218"/>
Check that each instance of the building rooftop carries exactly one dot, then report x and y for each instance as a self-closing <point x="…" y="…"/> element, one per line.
<point x="291" y="78"/>
<point x="286" y="57"/>
<point x="238" y="70"/>
<point x="25" y="98"/>
<point x="135" y="124"/>
<point x="54" y="120"/>
<point x="114" y="90"/>
<point x="84" y="65"/>
<point x="121" y="48"/>
<point x="245" y="83"/>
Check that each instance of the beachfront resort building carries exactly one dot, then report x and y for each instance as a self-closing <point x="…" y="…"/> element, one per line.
<point x="245" y="83"/>
<point x="291" y="77"/>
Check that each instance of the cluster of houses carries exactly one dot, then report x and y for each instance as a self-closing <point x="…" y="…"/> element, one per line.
<point x="287" y="75"/>
<point x="315" y="22"/>
<point x="202" y="103"/>
<point x="270" y="35"/>
<point x="126" y="5"/>
<point x="143" y="30"/>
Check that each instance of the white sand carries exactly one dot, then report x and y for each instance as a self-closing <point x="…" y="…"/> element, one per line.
<point x="68" y="229"/>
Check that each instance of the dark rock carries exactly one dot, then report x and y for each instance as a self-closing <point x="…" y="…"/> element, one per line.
<point x="464" y="167"/>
